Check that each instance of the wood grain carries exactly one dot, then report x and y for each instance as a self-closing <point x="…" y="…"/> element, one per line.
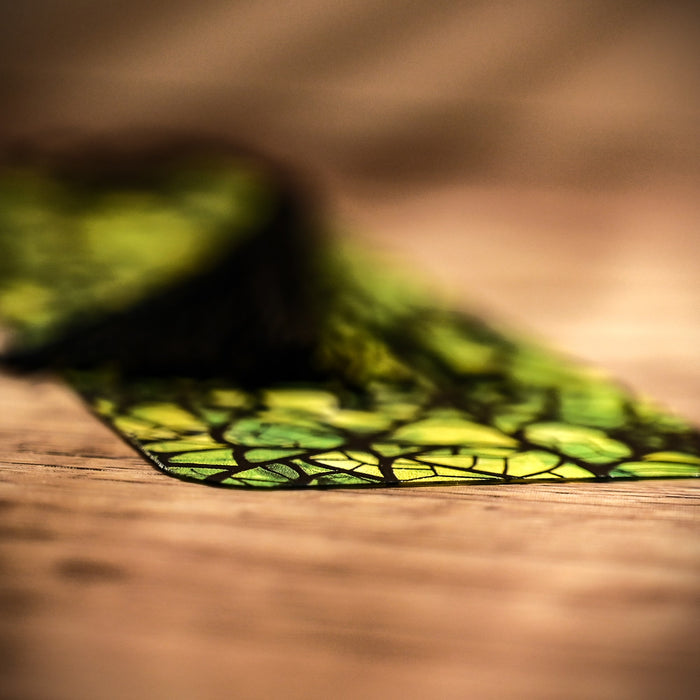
<point x="121" y="582"/>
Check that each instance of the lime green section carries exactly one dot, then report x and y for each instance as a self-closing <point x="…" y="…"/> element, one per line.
<point x="459" y="461"/>
<point x="657" y="469"/>
<point x="462" y="353"/>
<point x="262" y="454"/>
<point x="223" y="458"/>
<point x="309" y="400"/>
<point x="435" y="431"/>
<point x="228" y="398"/>
<point x="168" y="415"/>
<point x="589" y="444"/>
<point x="531" y="462"/>
<point x="259" y="433"/>
<point x="135" y="428"/>
<point x="196" y="442"/>
<point x="681" y="457"/>
<point x="360" y="421"/>
<point x="572" y="471"/>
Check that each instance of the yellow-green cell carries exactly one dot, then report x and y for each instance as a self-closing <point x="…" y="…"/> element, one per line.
<point x="336" y="460"/>
<point x="255" y="432"/>
<point x="364" y="457"/>
<point x="458" y="461"/>
<point x="228" y="398"/>
<point x="263" y="454"/>
<point x="142" y="430"/>
<point x="304" y="400"/>
<point x="389" y="449"/>
<point x="188" y="444"/>
<point x="311" y="468"/>
<point x="369" y="469"/>
<point x="195" y="472"/>
<point x="572" y="471"/>
<point x="526" y="463"/>
<point x="451" y="431"/>
<point x="492" y="465"/>
<point x="657" y="469"/>
<point x="410" y="474"/>
<point x="168" y="415"/>
<point x="672" y="457"/>
<point x="220" y="457"/>
<point x="587" y="444"/>
<point x="359" y="421"/>
<point x="263" y="476"/>
<point x="596" y="405"/>
<point x="449" y="472"/>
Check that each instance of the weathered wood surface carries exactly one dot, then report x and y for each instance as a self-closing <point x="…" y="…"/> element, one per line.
<point x="120" y="582"/>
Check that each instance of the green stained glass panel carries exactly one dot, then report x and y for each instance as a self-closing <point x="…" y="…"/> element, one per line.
<point x="403" y="390"/>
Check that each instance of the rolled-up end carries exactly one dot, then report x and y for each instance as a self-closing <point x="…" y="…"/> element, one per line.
<point x="248" y="303"/>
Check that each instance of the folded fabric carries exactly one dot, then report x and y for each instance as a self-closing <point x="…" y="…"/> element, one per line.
<point x="188" y="293"/>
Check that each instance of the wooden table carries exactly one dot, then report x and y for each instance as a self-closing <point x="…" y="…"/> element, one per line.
<point x="120" y="582"/>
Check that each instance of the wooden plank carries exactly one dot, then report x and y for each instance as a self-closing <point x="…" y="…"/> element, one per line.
<point x="121" y="582"/>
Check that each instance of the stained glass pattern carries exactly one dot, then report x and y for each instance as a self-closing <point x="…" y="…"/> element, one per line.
<point x="533" y="416"/>
<point x="308" y="366"/>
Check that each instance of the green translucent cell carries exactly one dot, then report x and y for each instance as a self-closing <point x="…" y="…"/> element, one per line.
<point x="389" y="449"/>
<point x="491" y="465"/>
<point x="306" y="400"/>
<point x="459" y="461"/>
<point x="591" y="445"/>
<point x="282" y="470"/>
<point x="672" y="457"/>
<point x="360" y="421"/>
<point x="254" y="432"/>
<point x="266" y="476"/>
<point x="262" y="454"/>
<point x="572" y="471"/>
<point x="412" y="473"/>
<point x="657" y="469"/>
<point x="449" y="473"/>
<point x="364" y="457"/>
<point x="312" y="469"/>
<point x="196" y="442"/>
<point x="447" y="431"/>
<point x="370" y="469"/>
<point x="337" y="460"/>
<point x="531" y="462"/>
<point x="221" y="457"/>
<point x="227" y="398"/>
<point x="141" y="430"/>
<point x="341" y="479"/>
<point x="168" y="415"/>
<point x="201" y="473"/>
<point x="598" y="406"/>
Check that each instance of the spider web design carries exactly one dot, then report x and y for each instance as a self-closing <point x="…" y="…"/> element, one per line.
<point x="501" y="411"/>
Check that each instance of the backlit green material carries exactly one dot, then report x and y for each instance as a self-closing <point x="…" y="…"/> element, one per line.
<point x="537" y="418"/>
<point x="63" y="254"/>
<point x="421" y="395"/>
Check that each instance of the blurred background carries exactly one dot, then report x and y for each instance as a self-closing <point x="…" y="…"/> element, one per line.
<point x="538" y="157"/>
